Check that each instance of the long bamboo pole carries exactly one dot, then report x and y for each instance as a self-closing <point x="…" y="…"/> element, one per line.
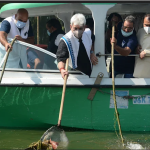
<point x="113" y="84"/>
<point x="6" y="59"/>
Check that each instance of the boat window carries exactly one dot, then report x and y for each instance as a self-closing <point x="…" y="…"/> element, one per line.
<point x="27" y="56"/>
<point x="24" y="57"/>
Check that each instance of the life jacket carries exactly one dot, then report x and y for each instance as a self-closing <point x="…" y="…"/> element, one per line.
<point x="15" y="31"/>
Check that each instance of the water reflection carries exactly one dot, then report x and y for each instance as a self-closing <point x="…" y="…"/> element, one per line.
<point x="20" y="139"/>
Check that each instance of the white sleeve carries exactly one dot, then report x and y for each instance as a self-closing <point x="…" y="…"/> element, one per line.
<point x="88" y="31"/>
<point x="59" y="36"/>
<point x="147" y="51"/>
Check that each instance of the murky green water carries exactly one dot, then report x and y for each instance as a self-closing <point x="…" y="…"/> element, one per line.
<point x="20" y="139"/>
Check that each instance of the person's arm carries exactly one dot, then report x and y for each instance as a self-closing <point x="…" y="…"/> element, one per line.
<point x="29" y="40"/>
<point x="138" y="49"/>
<point x="123" y="51"/>
<point x="4" y="30"/>
<point x="144" y="53"/>
<point x="61" y="65"/>
<point x="62" y="54"/>
<point x="3" y="40"/>
<point x="93" y="57"/>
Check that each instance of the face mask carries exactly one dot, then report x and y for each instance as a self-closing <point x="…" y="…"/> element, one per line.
<point x="147" y="29"/>
<point x="78" y="33"/>
<point x="48" y="33"/>
<point x="126" y="34"/>
<point x="20" y="24"/>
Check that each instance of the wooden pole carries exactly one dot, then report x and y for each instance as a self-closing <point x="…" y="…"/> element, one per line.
<point x="6" y="59"/>
<point x="113" y="84"/>
<point x="37" y="29"/>
<point x="63" y="95"/>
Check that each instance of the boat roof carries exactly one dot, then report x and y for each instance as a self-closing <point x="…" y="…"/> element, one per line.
<point x="46" y="9"/>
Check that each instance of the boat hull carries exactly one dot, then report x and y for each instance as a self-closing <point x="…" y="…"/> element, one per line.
<point x="38" y="107"/>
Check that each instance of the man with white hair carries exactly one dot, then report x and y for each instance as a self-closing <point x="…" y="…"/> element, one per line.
<point x="76" y="45"/>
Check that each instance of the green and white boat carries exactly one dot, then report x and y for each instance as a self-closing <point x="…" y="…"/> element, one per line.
<point x="30" y="98"/>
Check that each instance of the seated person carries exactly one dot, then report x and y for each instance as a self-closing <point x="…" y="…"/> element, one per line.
<point x="125" y="44"/>
<point x="142" y="69"/>
<point x="33" y="59"/>
<point x="76" y="45"/>
<point x="55" y="32"/>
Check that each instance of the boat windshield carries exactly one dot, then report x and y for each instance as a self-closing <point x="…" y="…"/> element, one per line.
<point x="27" y="56"/>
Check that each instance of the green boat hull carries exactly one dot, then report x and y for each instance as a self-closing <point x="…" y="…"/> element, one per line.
<point x="38" y="107"/>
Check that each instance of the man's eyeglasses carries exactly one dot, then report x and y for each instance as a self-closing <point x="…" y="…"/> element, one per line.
<point x="81" y="28"/>
<point x="128" y="28"/>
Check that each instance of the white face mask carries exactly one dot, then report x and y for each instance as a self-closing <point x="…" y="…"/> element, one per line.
<point x="78" y="33"/>
<point x="147" y="30"/>
<point x="126" y="34"/>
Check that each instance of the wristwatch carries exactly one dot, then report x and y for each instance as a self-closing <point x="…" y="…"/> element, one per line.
<point x="91" y="52"/>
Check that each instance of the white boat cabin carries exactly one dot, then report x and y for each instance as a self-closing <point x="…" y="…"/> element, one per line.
<point x="22" y="72"/>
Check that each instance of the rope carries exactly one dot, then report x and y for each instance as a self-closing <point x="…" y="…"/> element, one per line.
<point x="124" y="97"/>
<point x="113" y="85"/>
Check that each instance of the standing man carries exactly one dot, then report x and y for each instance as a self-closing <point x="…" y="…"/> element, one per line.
<point x="76" y="45"/>
<point x="20" y="27"/>
<point x="125" y="44"/>
<point x="16" y="26"/>
<point x="142" y="69"/>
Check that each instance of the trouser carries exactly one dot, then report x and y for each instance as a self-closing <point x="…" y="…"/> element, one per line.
<point x="126" y="75"/>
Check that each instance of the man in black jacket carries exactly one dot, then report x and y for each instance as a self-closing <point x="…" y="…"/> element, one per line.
<point x="55" y="33"/>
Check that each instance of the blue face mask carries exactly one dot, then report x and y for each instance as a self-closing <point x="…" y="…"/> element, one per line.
<point x="48" y="33"/>
<point x="126" y="34"/>
<point x="20" y="24"/>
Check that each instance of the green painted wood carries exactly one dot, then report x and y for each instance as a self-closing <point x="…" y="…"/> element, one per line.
<point x="39" y="107"/>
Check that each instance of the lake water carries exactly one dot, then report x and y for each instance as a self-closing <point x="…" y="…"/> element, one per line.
<point x="21" y="138"/>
